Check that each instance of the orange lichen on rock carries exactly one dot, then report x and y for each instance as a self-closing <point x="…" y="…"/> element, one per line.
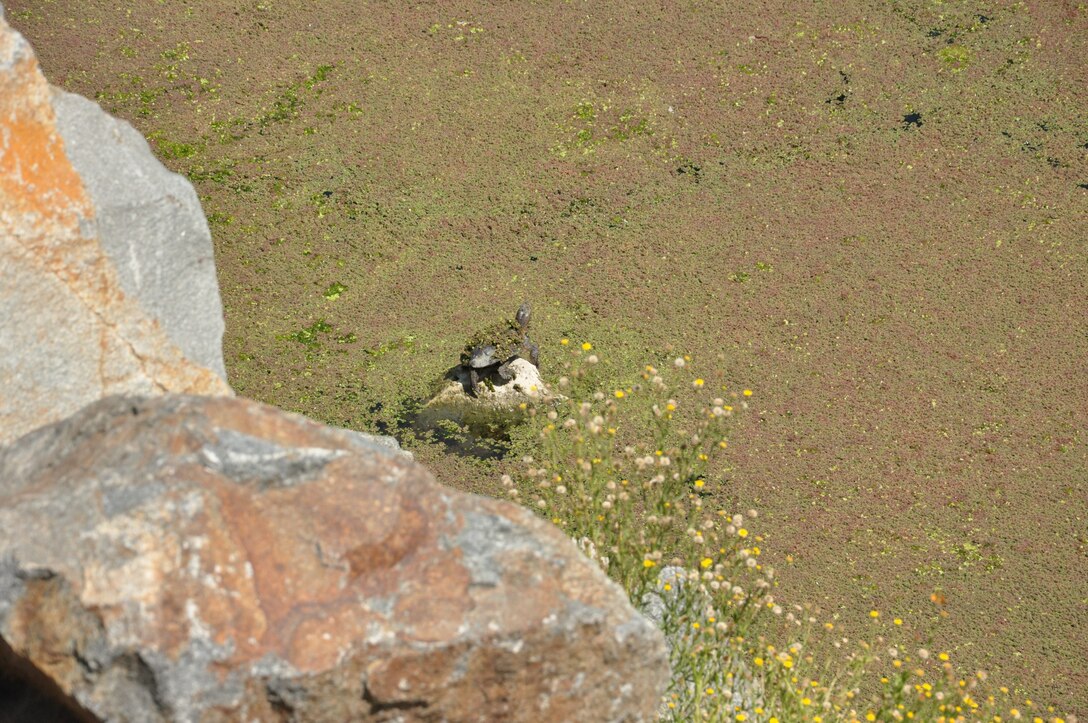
<point x="36" y="178"/>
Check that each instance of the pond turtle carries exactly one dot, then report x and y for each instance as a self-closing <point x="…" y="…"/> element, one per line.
<point x="492" y="349"/>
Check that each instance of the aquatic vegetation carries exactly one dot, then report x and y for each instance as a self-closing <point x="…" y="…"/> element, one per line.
<point x="333" y="292"/>
<point x="957" y="57"/>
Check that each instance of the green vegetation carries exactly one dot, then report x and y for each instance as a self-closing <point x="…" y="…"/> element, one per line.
<point x="309" y="335"/>
<point x="170" y="149"/>
<point x="405" y="343"/>
<point x="957" y="57"/>
<point x="643" y="506"/>
<point x="333" y="292"/>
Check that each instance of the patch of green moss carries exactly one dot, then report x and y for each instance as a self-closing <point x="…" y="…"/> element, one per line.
<point x="333" y="292"/>
<point x="957" y="57"/>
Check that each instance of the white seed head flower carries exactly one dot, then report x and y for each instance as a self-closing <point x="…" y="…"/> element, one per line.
<point x="679" y="362"/>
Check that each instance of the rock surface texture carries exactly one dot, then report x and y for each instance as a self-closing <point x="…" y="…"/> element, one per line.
<point x="150" y="225"/>
<point x="197" y="559"/>
<point x="90" y="302"/>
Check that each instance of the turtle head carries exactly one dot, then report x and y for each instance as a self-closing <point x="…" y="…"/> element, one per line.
<point x="522" y="317"/>
<point x="483" y="356"/>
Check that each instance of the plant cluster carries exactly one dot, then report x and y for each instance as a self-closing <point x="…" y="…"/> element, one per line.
<point x="627" y="474"/>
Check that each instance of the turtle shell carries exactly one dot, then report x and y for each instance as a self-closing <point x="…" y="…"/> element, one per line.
<point x="494" y="345"/>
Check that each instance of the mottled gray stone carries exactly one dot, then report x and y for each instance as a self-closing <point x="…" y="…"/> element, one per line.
<point x="378" y="443"/>
<point x="245" y="458"/>
<point x="484" y="540"/>
<point x="184" y="558"/>
<point x="151" y="226"/>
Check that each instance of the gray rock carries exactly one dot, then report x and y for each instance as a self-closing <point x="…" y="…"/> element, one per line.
<point x="151" y="226"/>
<point x="381" y="442"/>
<point x="655" y="603"/>
<point x="183" y="558"/>
<point x="70" y="333"/>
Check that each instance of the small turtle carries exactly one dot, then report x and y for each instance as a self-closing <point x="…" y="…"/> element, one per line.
<point x="496" y="346"/>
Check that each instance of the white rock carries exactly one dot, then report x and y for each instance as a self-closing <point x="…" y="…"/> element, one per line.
<point x="497" y="402"/>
